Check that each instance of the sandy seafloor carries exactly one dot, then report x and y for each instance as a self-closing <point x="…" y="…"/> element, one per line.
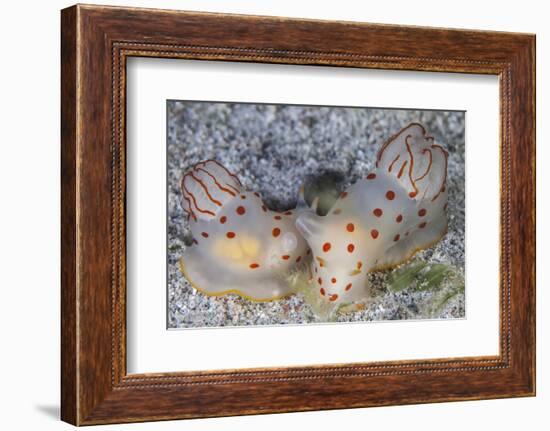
<point x="273" y="149"/>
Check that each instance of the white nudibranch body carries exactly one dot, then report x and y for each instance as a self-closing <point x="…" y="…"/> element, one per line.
<point x="239" y="245"/>
<point x="381" y="220"/>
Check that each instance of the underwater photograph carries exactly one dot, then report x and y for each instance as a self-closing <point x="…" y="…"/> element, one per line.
<point x="295" y="214"/>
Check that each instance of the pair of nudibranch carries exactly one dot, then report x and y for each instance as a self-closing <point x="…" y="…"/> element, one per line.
<point x="241" y="246"/>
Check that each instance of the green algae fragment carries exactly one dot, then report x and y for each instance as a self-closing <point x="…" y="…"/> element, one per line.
<point x="433" y="277"/>
<point x="404" y="277"/>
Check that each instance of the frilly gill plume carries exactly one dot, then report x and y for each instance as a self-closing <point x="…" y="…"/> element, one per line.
<point x="206" y="188"/>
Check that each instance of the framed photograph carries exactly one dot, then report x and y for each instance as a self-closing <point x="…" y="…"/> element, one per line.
<point x="321" y="214"/>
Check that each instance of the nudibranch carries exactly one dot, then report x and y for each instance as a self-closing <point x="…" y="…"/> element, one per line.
<point x="381" y="220"/>
<point x="239" y="245"/>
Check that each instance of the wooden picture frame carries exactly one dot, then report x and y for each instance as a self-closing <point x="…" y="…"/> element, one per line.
<point x="96" y="41"/>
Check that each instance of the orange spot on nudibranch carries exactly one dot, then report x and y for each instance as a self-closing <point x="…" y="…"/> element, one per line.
<point x="422" y="225"/>
<point x="359" y="265"/>
<point x="230" y="235"/>
<point x="241" y="210"/>
<point x="422" y="212"/>
<point x="399" y="218"/>
<point x="288" y="213"/>
<point x="371" y="176"/>
<point x="223" y="219"/>
<point x="264" y="209"/>
<point x="298" y="259"/>
<point x="277" y="217"/>
<point x="243" y="197"/>
<point x="204" y="234"/>
<point x="351" y="247"/>
<point x="285" y="257"/>
<point x="333" y="297"/>
<point x="320" y="280"/>
<point x="276" y="232"/>
<point x="412" y="194"/>
<point x="350" y="227"/>
<point x="374" y="233"/>
<point x="390" y="195"/>
<point x="254" y="265"/>
<point x="322" y="291"/>
<point x="195" y="241"/>
<point x="396" y="238"/>
<point x="256" y="194"/>
<point x="378" y="212"/>
<point x="326" y="246"/>
<point x="333" y="280"/>
<point x="343" y="195"/>
<point x="348" y="287"/>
